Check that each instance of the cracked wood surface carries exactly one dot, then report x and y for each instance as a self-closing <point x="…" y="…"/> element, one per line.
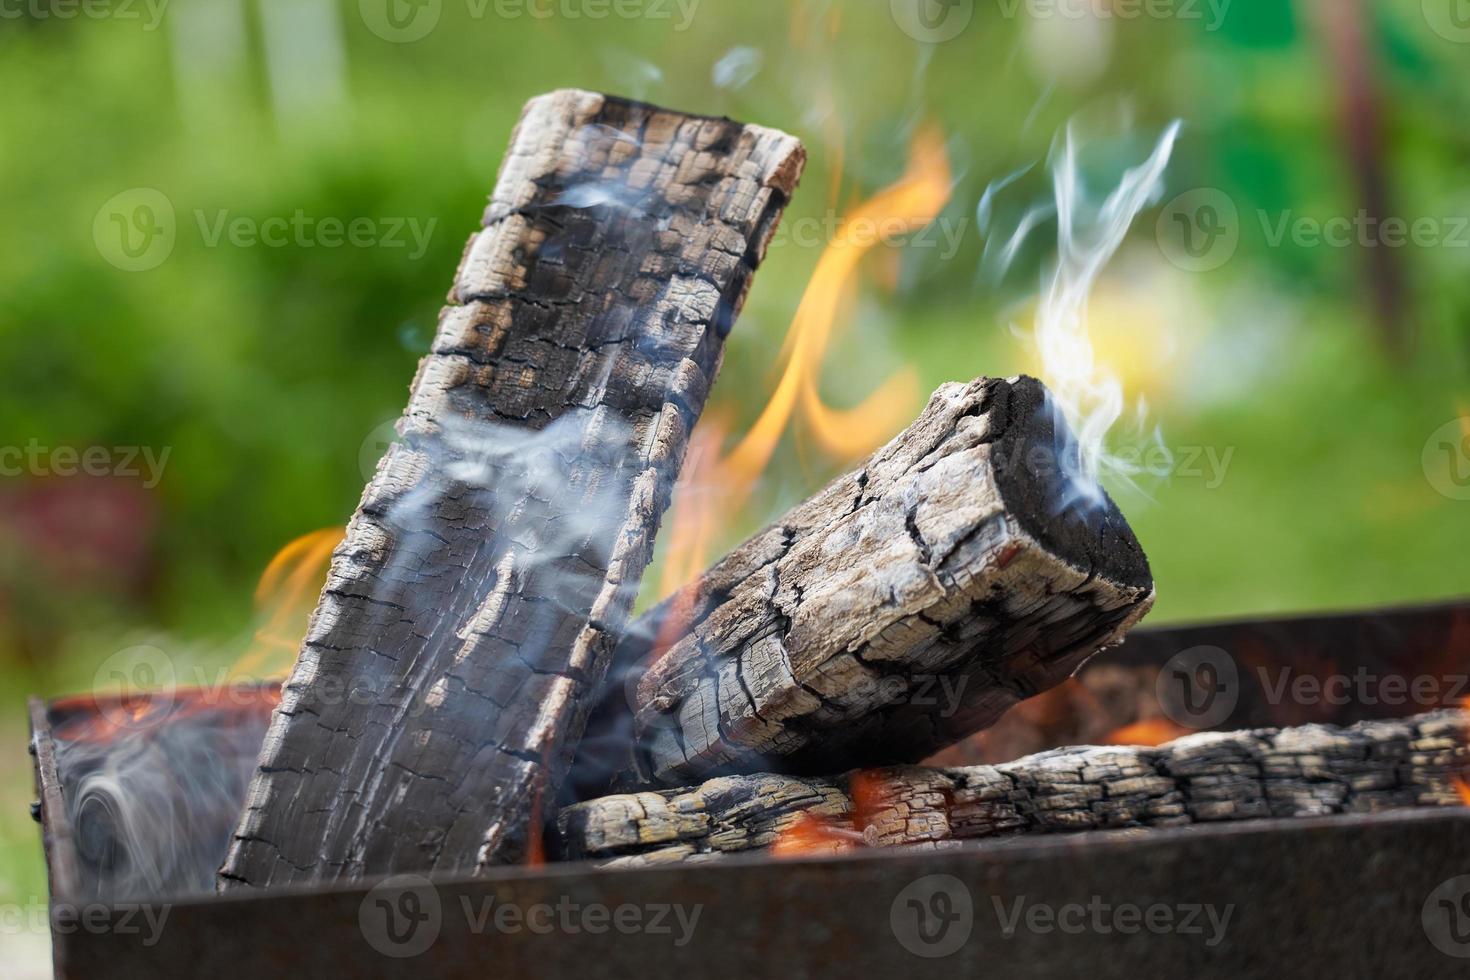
<point x="1314" y="770"/>
<point x="474" y="604"/>
<point x="907" y="605"/>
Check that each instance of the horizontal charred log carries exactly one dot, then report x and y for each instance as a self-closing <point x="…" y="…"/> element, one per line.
<point x="1315" y="770"/>
<point x="907" y="605"/>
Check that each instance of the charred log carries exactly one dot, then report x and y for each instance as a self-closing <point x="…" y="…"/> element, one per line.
<point x="473" y="607"/>
<point x="1315" y="770"/>
<point x="907" y="605"/>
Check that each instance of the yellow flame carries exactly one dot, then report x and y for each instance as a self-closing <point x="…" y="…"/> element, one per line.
<point x="904" y="207"/>
<point x="724" y="483"/>
<point x="284" y="599"/>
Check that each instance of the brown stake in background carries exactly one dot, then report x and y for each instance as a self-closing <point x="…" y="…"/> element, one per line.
<point x="489" y="569"/>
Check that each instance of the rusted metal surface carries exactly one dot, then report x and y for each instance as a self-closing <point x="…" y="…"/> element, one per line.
<point x="1347" y="897"/>
<point x="49" y="808"/>
<point x="1375" y="895"/>
<point x="1280" y="672"/>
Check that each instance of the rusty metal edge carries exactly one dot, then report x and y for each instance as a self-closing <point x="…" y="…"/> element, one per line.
<point x="1342" y="894"/>
<point x="1302" y="620"/>
<point x="51" y="808"/>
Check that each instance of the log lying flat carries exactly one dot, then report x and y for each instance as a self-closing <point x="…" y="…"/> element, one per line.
<point x="473" y="606"/>
<point x="907" y="605"/>
<point x="1315" y="770"/>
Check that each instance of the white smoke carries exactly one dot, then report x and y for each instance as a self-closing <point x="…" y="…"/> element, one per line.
<point x="152" y="805"/>
<point x="1089" y="234"/>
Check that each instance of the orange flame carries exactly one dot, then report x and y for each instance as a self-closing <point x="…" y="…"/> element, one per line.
<point x="810" y="834"/>
<point x="1463" y="790"/>
<point x="285" y="597"/>
<point x="904" y="207"/>
<point x="1148" y="732"/>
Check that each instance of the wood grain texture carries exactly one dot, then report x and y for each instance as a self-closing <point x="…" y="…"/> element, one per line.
<point x="907" y="605"/>
<point x="473" y="606"/>
<point x="1315" y="770"/>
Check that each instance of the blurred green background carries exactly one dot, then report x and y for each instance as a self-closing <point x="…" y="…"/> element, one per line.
<point x="1322" y="380"/>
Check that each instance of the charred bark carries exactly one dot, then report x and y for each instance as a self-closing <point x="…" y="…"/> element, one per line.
<point x="1315" y="770"/>
<point x="473" y="607"/>
<point x="960" y="570"/>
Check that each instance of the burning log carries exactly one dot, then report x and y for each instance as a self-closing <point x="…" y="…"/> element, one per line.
<point x="907" y="605"/>
<point x="1315" y="770"/>
<point x="473" y="607"/>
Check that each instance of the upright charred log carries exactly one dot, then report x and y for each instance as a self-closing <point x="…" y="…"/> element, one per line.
<point x="473" y="607"/>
